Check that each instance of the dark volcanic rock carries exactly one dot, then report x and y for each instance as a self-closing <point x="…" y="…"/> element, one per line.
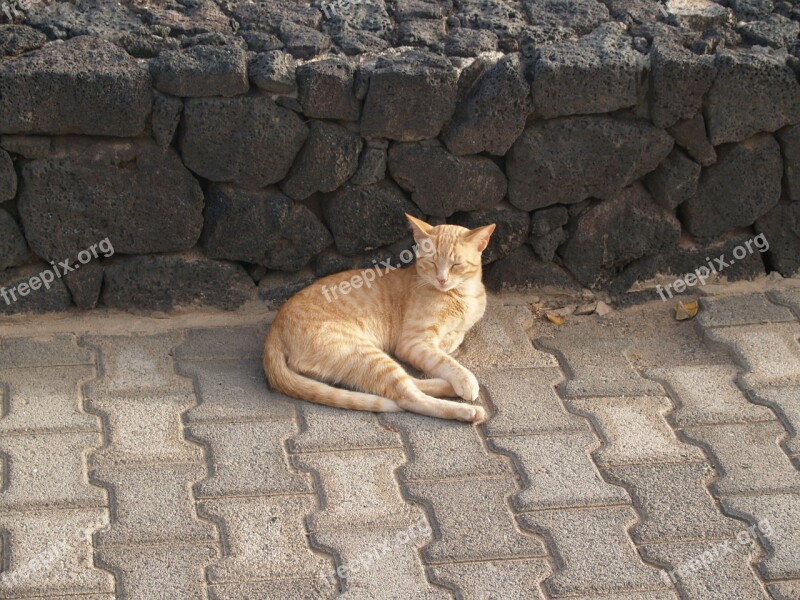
<point x="678" y="81"/>
<point x="522" y="270"/>
<point x="546" y="220"/>
<point x="85" y="285"/>
<point x="363" y="218"/>
<point x="166" y="117"/>
<point x="597" y="248"/>
<point x="85" y="85"/>
<point x="775" y="31"/>
<point x="510" y="233"/>
<point x="273" y="71"/>
<point x="267" y="15"/>
<point x="781" y="228"/>
<point x="246" y="140"/>
<point x="741" y="187"/>
<point x="16" y="39"/>
<point x="502" y="17"/>
<point x="8" y="177"/>
<point x="582" y="16"/>
<point x="493" y="115"/>
<point x="441" y="183"/>
<point x="598" y="73"/>
<point x="166" y="281"/>
<point x="326" y="89"/>
<point x="262" y="227"/>
<point x="563" y="161"/>
<point x="790" y="145"/>
<point x="469" y="42"/>
<point x="330" y="261"/>
<point x="691" y="136"/>
<point x="302" y="42"/>
<point x="410" y="97"/>
<point x="276" y="288"/>
<point x="372" y="165"/>
<point x="422" y="33"/>
<point x="752" y="92"/>
<point x="674" y="181"/>
<point x="53" y="297"/>
<point x="328" y="159"/>
<point x="13" y="249"/>
<point x="201" y="71"/>
<point x="139" y="196"/>
<point x="545" y="246"/>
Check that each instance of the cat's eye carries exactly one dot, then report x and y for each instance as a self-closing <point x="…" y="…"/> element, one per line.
<point x="456" y="265"/>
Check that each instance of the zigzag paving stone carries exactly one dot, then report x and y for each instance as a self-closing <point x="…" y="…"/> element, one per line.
<point x="234" y="390"/>
<point x="358" y="490"/>
<point x="326" y="429"/>
<point x="439" y="449"/>
<point x="499" y="341"/>
<point x="749" y="457"/>
<point x="472" y="521"/>
<point x="558" y="471"/>
<point x="594" y="555"/>
<point x="145" y="429"/>
<point x="47" y="470"/>
<point x="49" y="351"/>
<point x="776" y="517"/>
<point x="284" y="589"/>
<point x="635" y="432"/>
<point x="248" y="459"/>
<point x="632" y="596"/>
<point x="379" y="564"/>
<point x="263" y="539"/>
<point x="59" y="541"/>
<point x="45" y="400"/>
<point x="790" y="298"/>
<point x="750" y="309"/>
<point x="491" y="580"/>
<point x="708" y="395"/>
<point x="596" y="367"/>
<point x="525" y="402"/>
<point x="153" y="505"/>
<point x="771" y="353"/>
<point x="785" y="590"/>
<point x="222" y="343"/>
<point x="159" y="572"/>
<point x="785" y="401"/>
<point x="673" y="502"/>
<point x="711" y="569"/>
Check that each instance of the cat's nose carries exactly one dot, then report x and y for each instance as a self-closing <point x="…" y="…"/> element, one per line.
<point x="441" y="280"/>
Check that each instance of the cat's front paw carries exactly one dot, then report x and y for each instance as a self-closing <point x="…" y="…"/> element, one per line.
<point x="466" y="386"/>
<point x="473" y="414"/>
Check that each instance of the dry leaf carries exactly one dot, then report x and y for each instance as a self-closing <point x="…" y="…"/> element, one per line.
<point x="684" y="312"/>
<point x="555" y="319"/>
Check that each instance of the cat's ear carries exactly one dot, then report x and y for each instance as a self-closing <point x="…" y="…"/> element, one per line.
<point x="480" y="237"/>
<point x="421" y="229"/>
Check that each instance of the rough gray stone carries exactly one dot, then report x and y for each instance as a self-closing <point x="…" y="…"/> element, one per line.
<point x="546" y="220"/>
<point x="13" y="249"/>
<point x="691" y="136"/>
<point x="262" y="227"/>
<point x="8" y="177"/>
<point x="678" y="79"/>
<point x="699" y="15"/>
<point x="593" y="250"/>
<point x="674" y="181"/>
<point x="246" y="140"/>
<point x="750" y="10"/>
<point x="276" y="288"/>
<point x="330" y="261"/>
<point x="27" y="146"/>
<point x="101" y="90"/>
<point x="16" y="39"/>
<point x="268" y="16"/>
<point x="563" y="161"/>
<point x="546" y="245"/>
<point x="781" y="227"/>
<point x="362" y="218"/>
<point x="166" y="117"/>
<point x="440" y="183"/>
<point x="164" y="282"/>
<point x="135" y="194"/>
<point x="326" y="89"/>
<point x="775" y="31"/>
<point x="790" y="145"/>
<point x="523" y="270"/>
<point x="261" y="41"/>
<point x="503" y="18"/>
<point x="742" y="186"/>
<point x="328" y="159"/>
<point x="355" y="41"/>
<point x="411" y="96"/>
<point x="422" y="33"/>
<point x="493" y="114"/>
<point x="469" y="42"/>
<point x="372" y="165"/>
<point x="201" y="71"/>
<point x="273" y="71"/>
<point x="302" y="42"/>
<point x="599" y="73"/>
<point x="53" y="299"/>
<point x="581" y="16"/>
<point x="752" y="92"/>
<point x="84" y="286"/>
<point x="510" y="233"/>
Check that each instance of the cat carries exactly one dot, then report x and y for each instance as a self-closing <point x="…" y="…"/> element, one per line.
<point x="419" y="314"/>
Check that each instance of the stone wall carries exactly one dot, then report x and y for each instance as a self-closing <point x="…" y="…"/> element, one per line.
<point x="234" y="149"/>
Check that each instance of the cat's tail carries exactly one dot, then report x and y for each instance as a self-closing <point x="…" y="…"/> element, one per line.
<point x="291" y="383"/>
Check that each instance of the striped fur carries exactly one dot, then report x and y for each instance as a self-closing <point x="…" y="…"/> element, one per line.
<point x="339" y="352"/>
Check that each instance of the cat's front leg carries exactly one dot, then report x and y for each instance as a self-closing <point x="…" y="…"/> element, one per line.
<point x="428" y="356"/>
<point x="452" y="341"/>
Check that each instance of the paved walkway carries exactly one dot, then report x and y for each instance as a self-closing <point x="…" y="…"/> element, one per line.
<point x="629" y="457"/>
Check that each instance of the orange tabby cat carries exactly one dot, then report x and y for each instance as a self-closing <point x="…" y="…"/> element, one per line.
<point x="343" y="328"/>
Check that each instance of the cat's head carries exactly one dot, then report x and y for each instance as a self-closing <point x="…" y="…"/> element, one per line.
<point x="448" y="255"/>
